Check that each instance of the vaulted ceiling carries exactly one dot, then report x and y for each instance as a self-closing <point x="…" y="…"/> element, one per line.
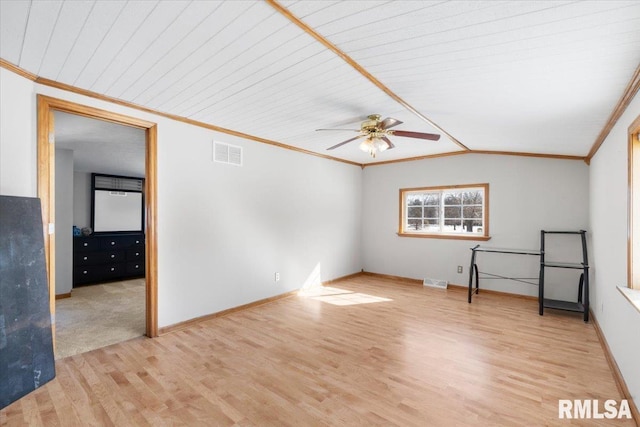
<point x="516" y="76"/>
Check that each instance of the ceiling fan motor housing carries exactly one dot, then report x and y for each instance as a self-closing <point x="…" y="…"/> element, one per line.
<point x="372" y="124"/>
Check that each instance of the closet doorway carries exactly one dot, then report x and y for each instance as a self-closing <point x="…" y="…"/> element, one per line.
<point x="72" y="119"/>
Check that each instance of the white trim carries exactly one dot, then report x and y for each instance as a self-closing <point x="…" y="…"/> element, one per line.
<point x="441" y="207"/>
<point x="632" y="295"/>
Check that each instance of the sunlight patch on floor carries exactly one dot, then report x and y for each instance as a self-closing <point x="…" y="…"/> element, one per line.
<point x="337" y="296"/>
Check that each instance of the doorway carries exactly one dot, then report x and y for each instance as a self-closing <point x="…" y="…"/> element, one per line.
<point x="47" y="107"/>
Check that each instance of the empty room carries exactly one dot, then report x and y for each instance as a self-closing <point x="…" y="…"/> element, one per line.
<point x="313" y="212"/>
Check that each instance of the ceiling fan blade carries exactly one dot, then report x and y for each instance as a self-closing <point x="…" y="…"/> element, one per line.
<point x="420" y="135"/>
<point x="390" y="122"/>
<point x="389" y="143"/>
<point x="351" y="130"/>
<point x="344" y="142"/>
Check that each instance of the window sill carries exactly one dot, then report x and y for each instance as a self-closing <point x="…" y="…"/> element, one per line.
<point x="445" y="236"/>
<point x="632" y="295"/>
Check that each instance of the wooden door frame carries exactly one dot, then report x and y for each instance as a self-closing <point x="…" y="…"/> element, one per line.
<point x="46" y="192"/>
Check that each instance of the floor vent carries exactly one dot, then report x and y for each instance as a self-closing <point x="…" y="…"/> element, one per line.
<point x="435" y="283"/>
<point x="227" y="153"/>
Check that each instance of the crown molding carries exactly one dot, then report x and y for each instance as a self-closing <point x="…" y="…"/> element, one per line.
<point x="497" y="153"/>
<point x="629" y="93"/>
<point x="69" y="88"/>
<point x="17" y="70"/>
<point x="632" y="89"/>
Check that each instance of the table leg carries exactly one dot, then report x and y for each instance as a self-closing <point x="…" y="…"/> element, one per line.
<point x="471" y="268"/>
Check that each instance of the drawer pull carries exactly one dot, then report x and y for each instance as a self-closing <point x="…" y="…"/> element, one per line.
<point x="84" y="272"/>
<point x="113" y="243"/>
<point x="113" y="268"/>
<point x="137" y="241"/>
<point x="86" y="258"/>
<point x="85" y="244"/>
<point x="137" y="253"/>
<point x="113" y="256"/>
<point x="137" y="266"/>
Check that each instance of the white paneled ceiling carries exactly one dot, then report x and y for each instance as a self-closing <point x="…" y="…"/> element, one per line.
<point x="518" y="76"/>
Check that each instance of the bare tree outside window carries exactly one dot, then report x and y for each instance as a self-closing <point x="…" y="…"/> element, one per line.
<point x="452" y="210"/>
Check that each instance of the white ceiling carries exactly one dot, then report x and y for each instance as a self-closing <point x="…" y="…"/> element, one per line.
<point x="99" y="146"/>
<point x="520" y="76"/>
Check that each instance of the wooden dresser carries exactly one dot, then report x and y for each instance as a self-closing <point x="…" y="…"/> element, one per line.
<point x="107" y="257"/>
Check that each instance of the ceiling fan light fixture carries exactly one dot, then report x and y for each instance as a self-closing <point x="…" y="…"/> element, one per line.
<point x="380" y="145"/>
<point x="365" y="145"/>
<point x="373" y="145"/>
<point x="368" y="146"/>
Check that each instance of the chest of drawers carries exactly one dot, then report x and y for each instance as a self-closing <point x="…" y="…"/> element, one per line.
<point x="107" y="257"/>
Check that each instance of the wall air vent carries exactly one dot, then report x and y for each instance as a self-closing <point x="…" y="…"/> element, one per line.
<point x="227" y="153"/>
<point x="117" y="183"/>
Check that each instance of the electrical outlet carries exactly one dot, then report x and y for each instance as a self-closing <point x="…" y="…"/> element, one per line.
<point x="459" y="269"/>
<point x="277" y="277"/>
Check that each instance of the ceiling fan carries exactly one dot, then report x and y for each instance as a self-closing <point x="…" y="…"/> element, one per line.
<point x="377" y="131"/>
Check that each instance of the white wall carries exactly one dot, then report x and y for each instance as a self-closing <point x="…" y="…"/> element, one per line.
<point x="18" y="151"/>
<point x="619" y="321"/>
<point x="82" y="199"/>
<point x="527" y="194"/>
<point x="223" y="231"/>
<point x="234" y="227"/>
<point x="64" y="220"/>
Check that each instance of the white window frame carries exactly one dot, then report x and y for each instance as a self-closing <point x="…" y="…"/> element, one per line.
<point x="479" y="233"/>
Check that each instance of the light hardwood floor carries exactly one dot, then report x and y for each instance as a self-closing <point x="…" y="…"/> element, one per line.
<point x="365" y="351"/>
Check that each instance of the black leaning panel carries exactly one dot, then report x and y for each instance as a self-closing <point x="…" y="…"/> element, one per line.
<point x="26" y="347"/>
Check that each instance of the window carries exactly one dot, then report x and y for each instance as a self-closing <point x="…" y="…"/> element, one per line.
<point x="633" y="248"/>
<point x="451" y="212"/>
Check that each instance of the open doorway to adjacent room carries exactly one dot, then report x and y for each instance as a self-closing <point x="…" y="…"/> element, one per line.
<point x="97" y="187"/>
<point x="99" y="289"/>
